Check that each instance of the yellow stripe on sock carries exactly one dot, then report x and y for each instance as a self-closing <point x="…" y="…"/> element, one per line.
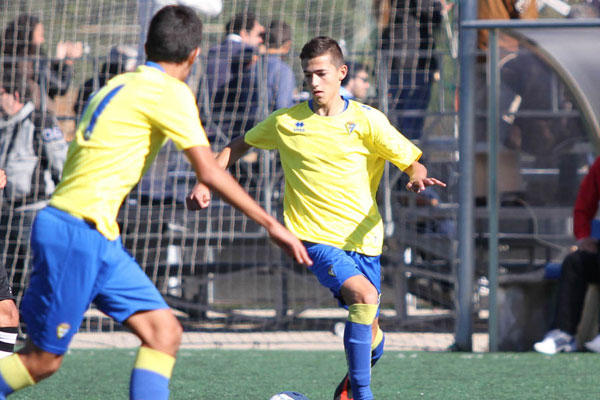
<point x="15" y="373"/>
<point x="155" y="361"/>
<point x="362" y="313"/>
<point x="378" y="339"/>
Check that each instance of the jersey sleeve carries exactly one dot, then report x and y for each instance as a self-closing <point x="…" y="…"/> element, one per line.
<point x="390" y="144"/>
<point x="264" y="134"/>
<point x="176" y="115"/>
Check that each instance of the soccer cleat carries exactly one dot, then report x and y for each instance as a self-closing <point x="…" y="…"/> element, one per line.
<point x="593" y="345"/>
<point x="557" y="341"/>
<point x="343" y="390"/>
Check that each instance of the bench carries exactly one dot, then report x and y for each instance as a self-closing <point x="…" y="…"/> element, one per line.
<point x="526" y="304"/>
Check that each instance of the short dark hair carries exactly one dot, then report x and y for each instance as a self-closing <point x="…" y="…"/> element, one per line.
<point x="354" y="67"/>
<point x="174" y="32"/>
<point x="278" y="33"/>
<point x="322" y="45"/>
<point x="239" y="22"/>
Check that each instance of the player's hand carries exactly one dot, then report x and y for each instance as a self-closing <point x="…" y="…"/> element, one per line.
<point x="289" y="243"/>
<point x="588" y="244"/>
<point x="2" y="179"/>
<point x="419" y="184"/>
<point x="198" y="198"/>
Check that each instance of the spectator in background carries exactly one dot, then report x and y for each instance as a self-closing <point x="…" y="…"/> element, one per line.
<point x="147" y="9"/>
<point x="356" y="83"/>
<point x="32" y="145"/>
<point x="120" y="59"/>
<point x="23" y="46"/>
<point x="516" y="70"/>
<point x="232" y="76"/>
<point x="406" y="40"/>
<point x="244" y="36"/>
<point x="281" y="83"/>
<point x="578" y="270"/>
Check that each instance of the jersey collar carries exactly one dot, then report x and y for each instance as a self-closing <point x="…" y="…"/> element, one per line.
<point x="152" y="64"/>
<point x="346" y="103"/>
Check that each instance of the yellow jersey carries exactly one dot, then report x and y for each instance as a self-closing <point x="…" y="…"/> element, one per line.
<point x="332" y="167"/>
<point x="122" y="129"/>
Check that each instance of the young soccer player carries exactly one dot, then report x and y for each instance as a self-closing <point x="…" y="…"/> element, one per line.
<point x="333" y="153"/>
<point x="78" y="256"/>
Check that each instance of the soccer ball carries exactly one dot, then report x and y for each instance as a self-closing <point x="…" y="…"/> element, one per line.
<point x="289" y="396"/>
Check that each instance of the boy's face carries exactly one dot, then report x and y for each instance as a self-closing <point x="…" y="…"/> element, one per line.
<point x="323" y="78"/>
<point x="359" y="85"/>
<point x="253" y="37"/>
<point x="8" y="102"/>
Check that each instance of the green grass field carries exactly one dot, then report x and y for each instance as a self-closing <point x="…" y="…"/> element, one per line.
<point x="258" y="374"/>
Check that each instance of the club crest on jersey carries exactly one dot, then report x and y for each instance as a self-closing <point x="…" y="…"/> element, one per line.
<point x="331" y="271"/>
<point x="299" y="127"/>
<point x="62" y="330"/>
<point x="351" y="126"/>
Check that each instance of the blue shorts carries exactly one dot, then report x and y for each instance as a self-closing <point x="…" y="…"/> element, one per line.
<point x="333" y="266"/>
<point x="74" y="265"/>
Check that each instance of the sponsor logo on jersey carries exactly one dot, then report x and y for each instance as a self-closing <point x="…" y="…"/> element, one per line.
<point x="299" y="127"/>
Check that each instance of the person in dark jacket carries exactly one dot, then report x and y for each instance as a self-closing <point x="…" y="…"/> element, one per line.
<point x="233" y="80"/>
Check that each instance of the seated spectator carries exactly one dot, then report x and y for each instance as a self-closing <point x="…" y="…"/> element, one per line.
<point x="23" y="46"/>
<point x="356" y="83"/>
<point x="578" y="270"/>
<point x="32" y="146"/>
<point x="281" y="83"/>
<point x="120" y="59"/>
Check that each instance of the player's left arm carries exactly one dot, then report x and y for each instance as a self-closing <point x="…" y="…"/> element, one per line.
<point x="419" y="179"/>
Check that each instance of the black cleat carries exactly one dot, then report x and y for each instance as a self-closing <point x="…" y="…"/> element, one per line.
<point x="343" y="390"/>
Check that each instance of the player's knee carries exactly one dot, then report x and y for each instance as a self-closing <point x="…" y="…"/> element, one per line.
<point x="167" y="338"/>
<point x="367" y="295"/>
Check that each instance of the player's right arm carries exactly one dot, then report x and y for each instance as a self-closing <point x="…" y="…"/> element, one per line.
<point x="213" y="175"/>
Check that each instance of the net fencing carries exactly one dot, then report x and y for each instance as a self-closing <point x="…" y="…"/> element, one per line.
<point x="217" y="268"/>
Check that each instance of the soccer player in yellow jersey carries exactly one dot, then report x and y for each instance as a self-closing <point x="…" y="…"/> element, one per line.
<point x="333" y="151"/>
<point x="78" y="257"/>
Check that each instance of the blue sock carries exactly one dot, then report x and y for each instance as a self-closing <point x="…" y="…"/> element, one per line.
<point x="5" y="389"/>
<point x="357" y="342"/>
<point x="151" y="374"/>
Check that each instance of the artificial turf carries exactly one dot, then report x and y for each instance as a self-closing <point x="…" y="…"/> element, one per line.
<point x="258" y="374"/>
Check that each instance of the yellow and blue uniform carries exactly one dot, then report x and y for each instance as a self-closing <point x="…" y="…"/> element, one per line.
<point x="78" y="257"/>
<point x="332" y="167"/>
<point x="78" y="253"/>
